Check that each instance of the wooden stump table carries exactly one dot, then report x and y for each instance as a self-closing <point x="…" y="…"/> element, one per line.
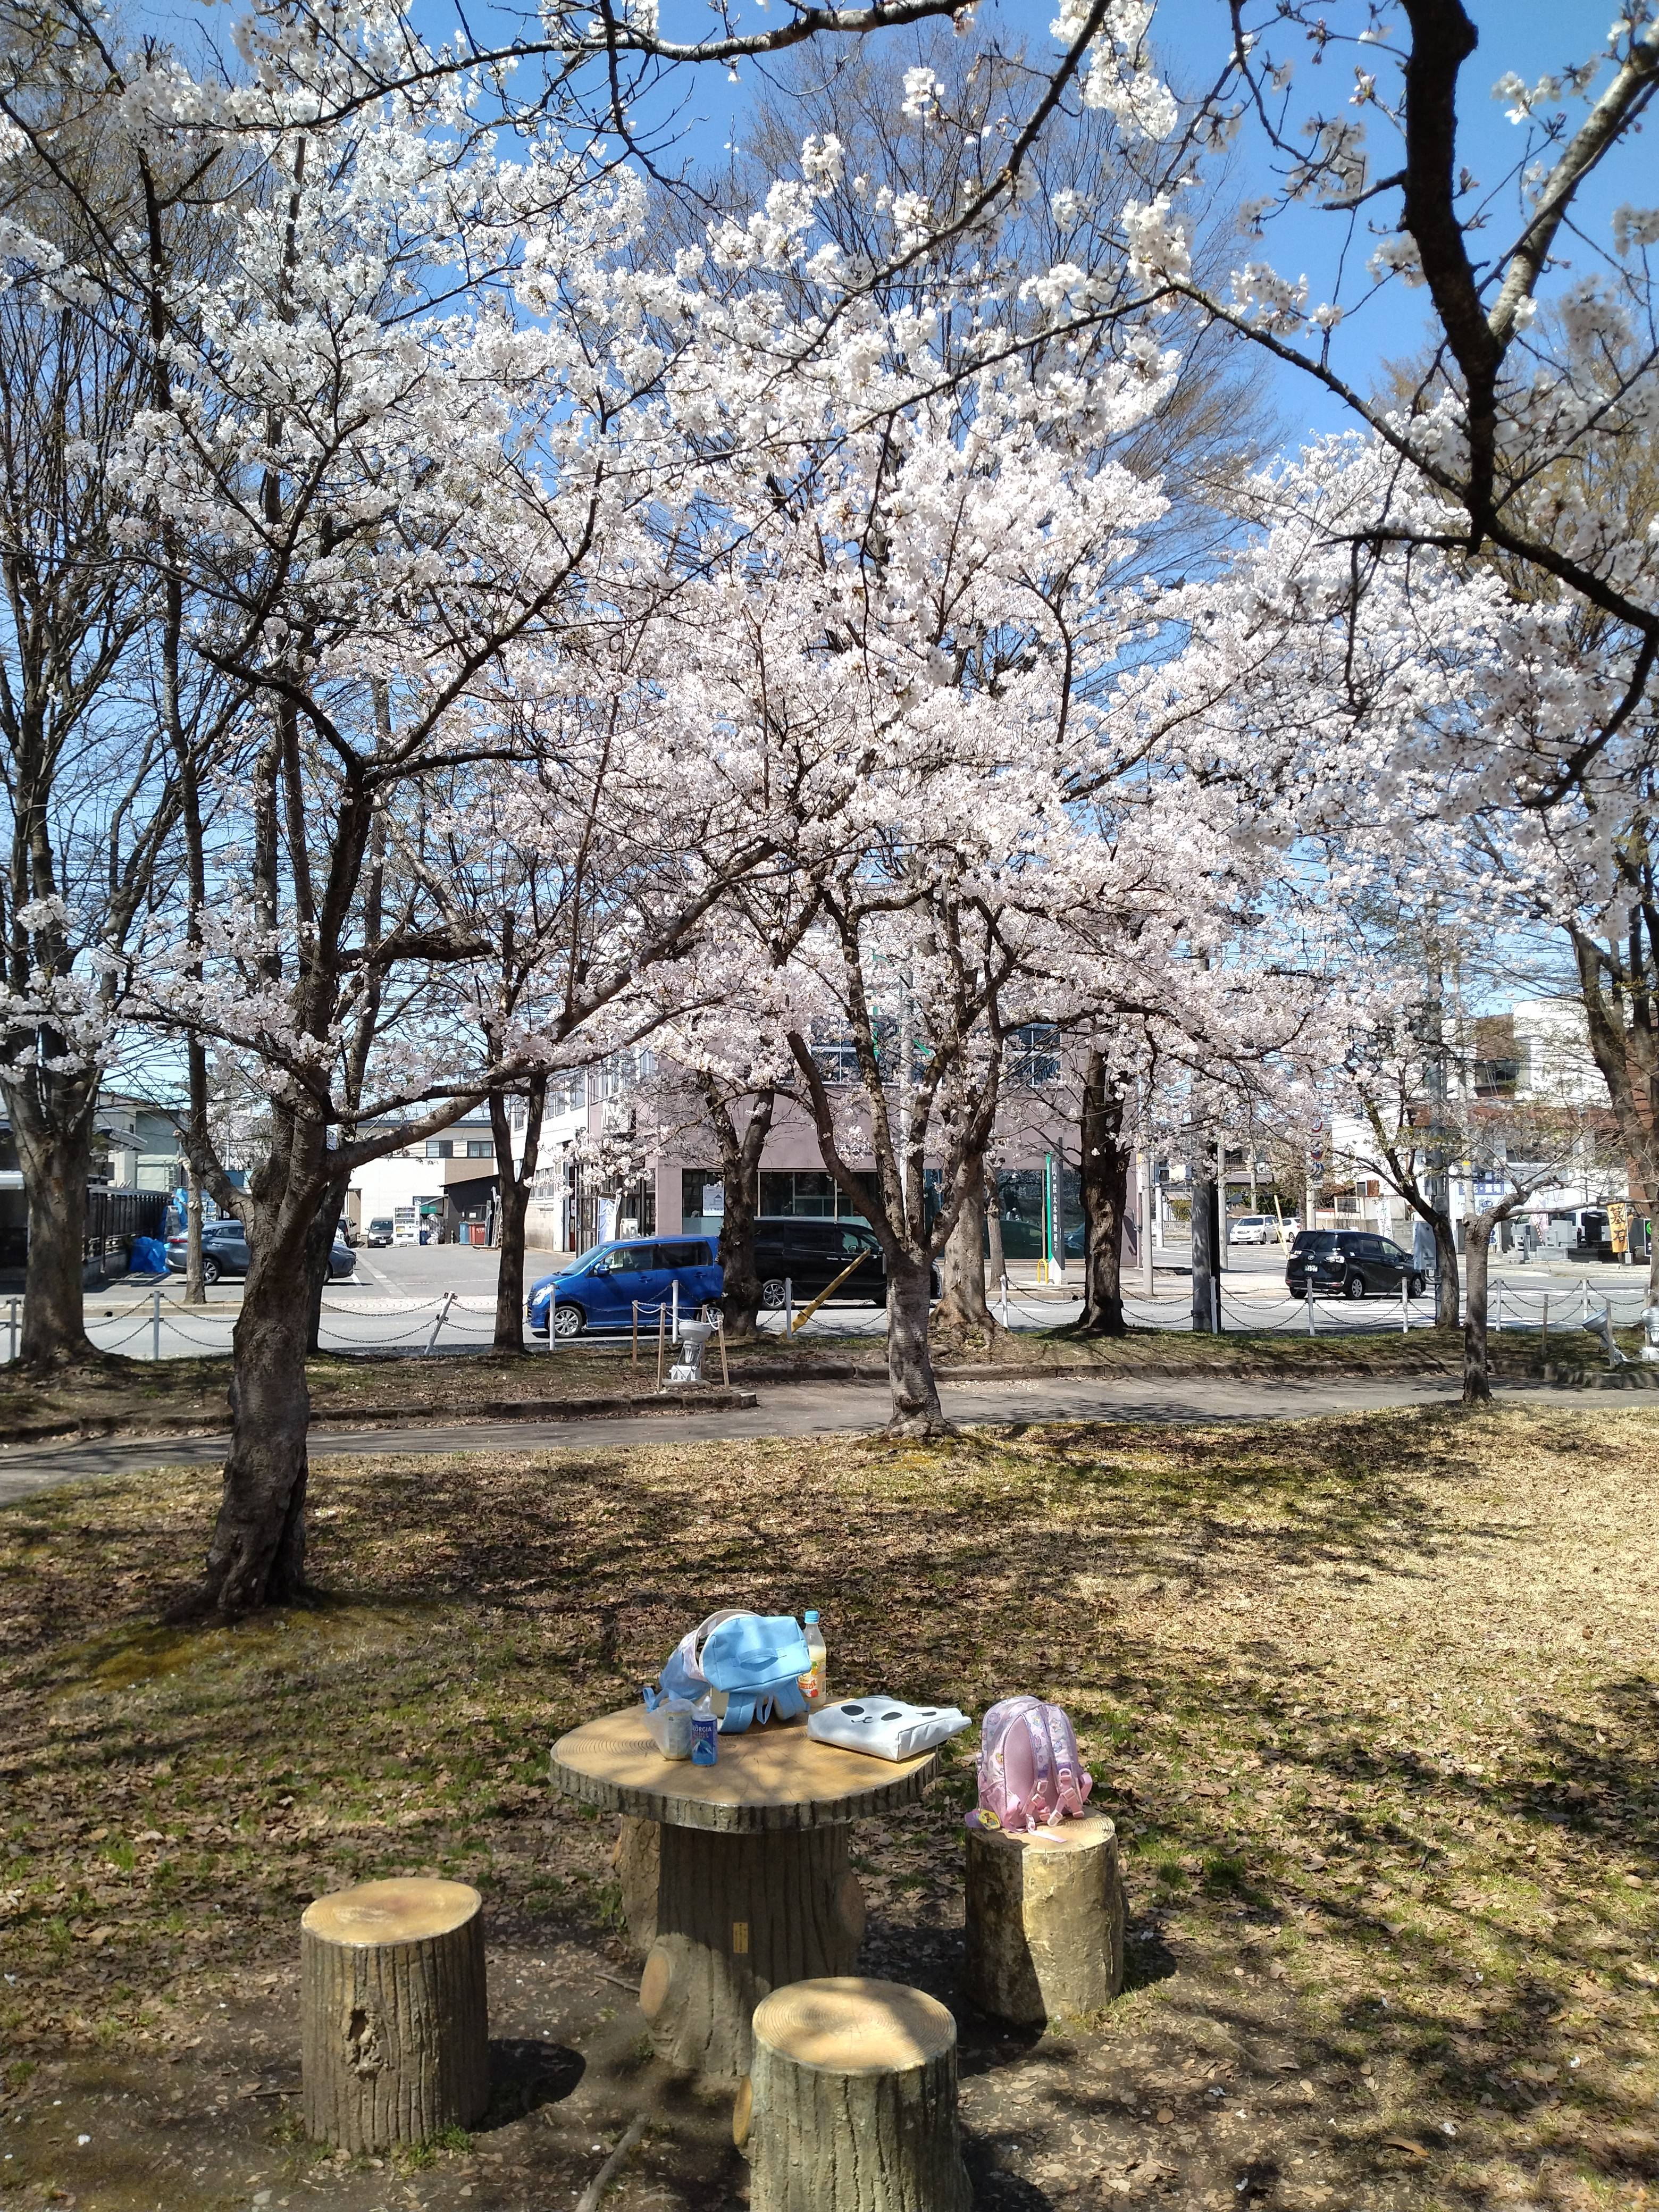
<point x="754" y="1890"/>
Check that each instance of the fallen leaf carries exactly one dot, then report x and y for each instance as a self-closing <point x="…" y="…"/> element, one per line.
<point x="1404" y="2142"/>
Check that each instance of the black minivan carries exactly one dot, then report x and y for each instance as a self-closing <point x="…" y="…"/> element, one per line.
<point x="1353" y="1262"/>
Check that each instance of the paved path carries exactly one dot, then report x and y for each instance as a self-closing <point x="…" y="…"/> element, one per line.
<point x="791" y="1410"/>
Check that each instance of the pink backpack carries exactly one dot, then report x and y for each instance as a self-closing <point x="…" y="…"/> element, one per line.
<point x="1030" y="1772"/>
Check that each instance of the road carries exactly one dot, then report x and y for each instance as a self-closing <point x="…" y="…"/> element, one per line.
<point x="413" y="1298"/>
<point x="785" y="1409"/>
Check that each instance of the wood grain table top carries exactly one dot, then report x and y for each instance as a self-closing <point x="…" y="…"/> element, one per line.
<point x="768" y="1778"/>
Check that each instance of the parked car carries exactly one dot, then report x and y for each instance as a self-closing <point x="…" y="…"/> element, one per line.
<point x="599" y="1289"/>
<point x="380" y="1231"/>
<point x="225" y="1253"/>
<point x="809" y="1254"/>
<point x="1252" y="1228"/>
<point x="1354" y="1261"/>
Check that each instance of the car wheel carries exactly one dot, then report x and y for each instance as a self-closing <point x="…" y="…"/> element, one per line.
<point x="568" y="1322"/>
<point x="209" y="1271"/>
<point x="1419" y="1283"/>
<point x="772" y="1294"/>
<point x="1355" y="1285"/>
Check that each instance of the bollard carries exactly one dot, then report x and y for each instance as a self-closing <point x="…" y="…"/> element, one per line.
<point x="156" y="1323"/>
<point x="634" y="1360"/>
<point x="1005" y="1300"/>
<point x="1310" y="1310"/>
<point x="675" y="1325"/>
<point x="11" y="1332"/>
<point x="726" y="1372"/>
<point x="788" y="1306"/>
<point x="1544" y="1334"/>
<point x="1498" y="1324"/>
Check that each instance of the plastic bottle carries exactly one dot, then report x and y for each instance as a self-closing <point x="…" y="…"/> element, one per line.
<point x="705" y="1735"/>
<point x="815" y="1683"/>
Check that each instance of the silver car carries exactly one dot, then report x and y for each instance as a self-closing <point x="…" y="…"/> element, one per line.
<point x="1252" y="1228"/>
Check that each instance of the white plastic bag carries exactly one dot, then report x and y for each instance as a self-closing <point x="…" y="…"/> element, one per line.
<point x="886" y="1728"/>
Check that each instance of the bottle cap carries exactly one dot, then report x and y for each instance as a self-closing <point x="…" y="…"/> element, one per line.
<point x="809" y="1616"/>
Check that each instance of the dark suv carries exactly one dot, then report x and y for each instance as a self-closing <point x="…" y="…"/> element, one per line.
<point x="1355" y="1262"/>
<point x="810" y="1254"/>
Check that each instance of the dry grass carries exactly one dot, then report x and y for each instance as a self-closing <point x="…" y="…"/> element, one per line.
<point x="138" y="1397"/>
<point x="1375" y="1699"/>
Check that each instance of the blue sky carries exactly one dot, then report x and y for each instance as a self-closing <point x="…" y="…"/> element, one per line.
<point x="1530" y="37"/>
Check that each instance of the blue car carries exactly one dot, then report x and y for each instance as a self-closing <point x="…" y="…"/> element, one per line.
<point x="600" y="1289"/>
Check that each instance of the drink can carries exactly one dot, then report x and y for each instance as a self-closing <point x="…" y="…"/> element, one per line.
<point x="705" y="1739"/>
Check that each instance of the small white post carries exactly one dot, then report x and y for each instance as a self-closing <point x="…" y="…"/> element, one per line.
<point x="674" y="1336"/>
<point x="552" y="1306"/>
<point x="155" y="1323"/>
<point x="1405" y="1304"/>
<point x="1311" y="1309"/>
<point x="788" y="1306"/>
<point x="443" y="1315"/>
<point x="1498" y="1300"/>
<point x="11" y="1328"/>
<point x="1005" y="1297"/>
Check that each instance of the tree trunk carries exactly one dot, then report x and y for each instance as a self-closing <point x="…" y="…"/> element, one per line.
<point x="997" y="1262"/>
<point x="320" y="1242"/>
<point x="962" y="1312"/>
<point x="740" y="1159"/>
<point x="513" y="1186"/>
<point x="56" y="1163"/>
<point x="1205" y="1243"/>
<point x="514" y="1205"/>
<point x="258" y="1553"/>
<point x="1105" y="1183"/>
<point x="1446" y="1313"/>
<point x="1477" y="1371"/>
<point x="195" y="1287"/>
<point x="916" y="1411"/>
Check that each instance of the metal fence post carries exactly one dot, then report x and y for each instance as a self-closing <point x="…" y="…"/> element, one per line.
<point x="1005" y="1297"/>
<point x="788" y="1306"/>
<point x="1405" y="1304"/>
<point x="11" y="1332"/>
<point x="1311" y="1309"/>
<point x="675" y="1294"/>
<point x="1499" y="1301"/>
<point x="155" y="1323"/>
<point x="443" y="1315"/>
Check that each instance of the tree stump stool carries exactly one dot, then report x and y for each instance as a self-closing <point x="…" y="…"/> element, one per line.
<point x="1045" y="1919"/>
<point x="851" y="2102"/>
<point x="394" y="2021"/>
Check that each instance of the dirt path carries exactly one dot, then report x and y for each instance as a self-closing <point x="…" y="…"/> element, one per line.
<point x="785" y="1409"/>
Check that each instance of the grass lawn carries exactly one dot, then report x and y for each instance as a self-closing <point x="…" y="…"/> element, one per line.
<point x="1374" y="1699"/>
<point x="142" y="1397"/>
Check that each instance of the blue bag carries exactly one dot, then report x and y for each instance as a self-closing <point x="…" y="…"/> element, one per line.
<point x="754" y="1660"/>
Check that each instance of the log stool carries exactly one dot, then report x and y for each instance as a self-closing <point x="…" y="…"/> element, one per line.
<point x="394" y="2029"/>
<point x="1045" y="1919"/>
<point x="851" y="2101"/>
